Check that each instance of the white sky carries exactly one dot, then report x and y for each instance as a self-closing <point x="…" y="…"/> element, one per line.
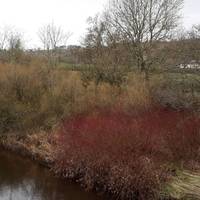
<point x="28" y="16"/>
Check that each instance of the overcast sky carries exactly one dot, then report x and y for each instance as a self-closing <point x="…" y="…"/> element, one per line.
<point x="28" y="15"/>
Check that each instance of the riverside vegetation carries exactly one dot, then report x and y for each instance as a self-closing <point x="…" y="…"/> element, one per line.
<point x="125" y="141"/>
<point x="119" y="115"/>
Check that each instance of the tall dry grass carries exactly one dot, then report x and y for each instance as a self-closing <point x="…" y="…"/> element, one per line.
<point x="37" y="97"/>
<point x="29" y="98"/>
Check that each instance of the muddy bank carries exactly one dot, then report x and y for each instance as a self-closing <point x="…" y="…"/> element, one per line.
<point x="38" y="147"/>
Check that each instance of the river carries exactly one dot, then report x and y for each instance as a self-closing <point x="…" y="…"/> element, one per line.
<point x="22" y="179"/>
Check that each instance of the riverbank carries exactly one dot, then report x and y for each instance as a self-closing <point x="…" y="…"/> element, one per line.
<point x="38" y="147"/>
<point x="23" y="179"/>
<point x="127" y="155"/>
<point x="41" y="148"/>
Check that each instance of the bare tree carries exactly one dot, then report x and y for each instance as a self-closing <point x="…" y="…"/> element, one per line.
<point x="195" y="32"/>
<point x="4" y="35"/>
<point x="10" y="38"/>
<point x="96" y="30"/>
<point x="15" y="46"/>
<point x="52" y="37"/>
<point x="102" y="54"/>
<point x="141" y="23"/>
<point x="15" y="40"/>
<point x="11" y="44"/>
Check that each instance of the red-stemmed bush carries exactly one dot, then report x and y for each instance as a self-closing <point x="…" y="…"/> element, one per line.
<point x="124" y="153"/>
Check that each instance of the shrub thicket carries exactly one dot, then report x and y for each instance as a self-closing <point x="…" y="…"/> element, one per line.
<point x="127" y="154"/>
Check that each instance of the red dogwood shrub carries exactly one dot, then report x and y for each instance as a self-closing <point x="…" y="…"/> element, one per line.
<point x="123" y="153"/>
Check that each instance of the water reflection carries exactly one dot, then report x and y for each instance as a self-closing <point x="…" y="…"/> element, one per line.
<point x="21" y="179"/>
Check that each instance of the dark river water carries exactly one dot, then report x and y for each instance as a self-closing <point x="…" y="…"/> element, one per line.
<point x="22" y="179"/>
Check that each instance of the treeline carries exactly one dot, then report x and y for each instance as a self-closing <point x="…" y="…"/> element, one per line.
<point x="143" y="35"/>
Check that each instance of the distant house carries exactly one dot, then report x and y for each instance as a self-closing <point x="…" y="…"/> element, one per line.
<point x="191" y="65"/>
